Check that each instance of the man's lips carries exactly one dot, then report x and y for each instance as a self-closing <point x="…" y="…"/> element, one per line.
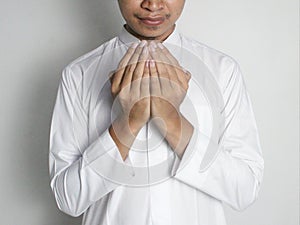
<point x="152" y="21"/>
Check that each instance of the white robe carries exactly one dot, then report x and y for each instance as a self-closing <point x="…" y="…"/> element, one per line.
<point x="222" y="163"/>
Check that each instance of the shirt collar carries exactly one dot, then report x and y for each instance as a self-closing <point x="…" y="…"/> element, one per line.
<point x="127" y="38"/>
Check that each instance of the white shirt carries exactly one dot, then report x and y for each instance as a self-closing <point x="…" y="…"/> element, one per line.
<point x="222" y="163"/>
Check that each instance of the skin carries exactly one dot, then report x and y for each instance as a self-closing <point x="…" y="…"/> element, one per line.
<point x="149" y="82"/>
<point x="134" y="10"/>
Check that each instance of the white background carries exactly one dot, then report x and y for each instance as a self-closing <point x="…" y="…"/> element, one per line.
<point x="39" y="38"/>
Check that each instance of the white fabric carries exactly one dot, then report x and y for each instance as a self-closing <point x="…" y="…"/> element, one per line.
<point x="222" y="163"/>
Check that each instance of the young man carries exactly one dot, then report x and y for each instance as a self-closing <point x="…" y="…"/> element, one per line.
<point x="164" y="139"/>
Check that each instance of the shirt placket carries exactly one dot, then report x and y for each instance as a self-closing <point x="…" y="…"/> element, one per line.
<point x="149" y="174"/>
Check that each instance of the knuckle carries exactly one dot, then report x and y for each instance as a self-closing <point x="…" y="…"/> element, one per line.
<point x="122" y="64"/>
<point x="165" y="50"/>
<point x="130" y="69"/>
<point x="185" y="87"/>
<point x="136" y="54"/>
<point x="135" y="74"/>
<point x="122" y="95"/>
<point x="113" y="88"/>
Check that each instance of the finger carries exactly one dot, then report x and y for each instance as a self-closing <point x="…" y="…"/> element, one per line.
<point x="166" y="73"/>
<point x="135" y="85"/>
<point x="118" y="75"/>
<point x="184" y="77"/>
<point x="187" y="75"/>
<point x="128" y="73"/>
<point x="161" y="69"/>
<point x="181" y="76"/>
<point x="155" y="88"/>
<point x="145" y="84"/>
<point x="124" y="61"/>
<point x="174" y="62"/>
<point x="139" y="69"/>
<point x="111" y="76"/>
<point x="167" y="53"/>
<point x="169" y="65"/>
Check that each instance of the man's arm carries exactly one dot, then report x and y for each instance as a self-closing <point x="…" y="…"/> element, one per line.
<point x="130" y="86"/>
<point x="78" y="173"/>
<point x="178" y="132"/>
<point x="236" y="172"/>
<point x="169" y="84"/>
<point x="80" y="177"/>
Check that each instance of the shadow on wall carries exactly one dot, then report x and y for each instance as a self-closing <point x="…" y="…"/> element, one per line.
<point x="100" y="20"/>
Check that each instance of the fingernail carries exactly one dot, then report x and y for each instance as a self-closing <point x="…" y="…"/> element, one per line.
<point x="152" y="46"/>
<point x="134" y="45"/>
<point x="152" y="63"/>
<point x="147" y="63"/>
<point x="145" y="50"/>
<point x="160" y="45"/>
<point x="143" y="43"/>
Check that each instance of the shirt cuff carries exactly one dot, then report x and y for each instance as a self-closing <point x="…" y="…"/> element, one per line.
<point x="199" y="151"/>
<point x="105" y="159"/>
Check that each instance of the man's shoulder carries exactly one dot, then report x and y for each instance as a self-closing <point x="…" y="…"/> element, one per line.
<point x="221" y="65"/>
<point x="207" y="53"/>
<point x="85" y="60"/>
<point x="75" y="71"/>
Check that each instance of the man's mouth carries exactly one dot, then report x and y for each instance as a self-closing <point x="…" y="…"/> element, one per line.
<point x="152" y="21"/>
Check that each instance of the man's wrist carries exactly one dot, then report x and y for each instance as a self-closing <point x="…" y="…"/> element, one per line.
<point x="170" y="124"/>
<point x="178" y="132"/>
<point x="123" y="135"/>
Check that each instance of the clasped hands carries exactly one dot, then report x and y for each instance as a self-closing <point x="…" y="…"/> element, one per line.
<point x="149" y="83"/>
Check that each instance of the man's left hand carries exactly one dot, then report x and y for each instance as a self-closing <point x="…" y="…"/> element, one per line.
<point x="168" y="87"/>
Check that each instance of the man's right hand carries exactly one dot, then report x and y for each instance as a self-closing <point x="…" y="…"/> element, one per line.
<point x="130" y="88"/>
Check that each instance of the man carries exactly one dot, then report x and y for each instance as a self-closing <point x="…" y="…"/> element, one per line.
<point x="150" y="142"/>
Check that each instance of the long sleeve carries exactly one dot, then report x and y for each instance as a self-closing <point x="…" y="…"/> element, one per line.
<point x="80" y="177"/>
<point x="235" y="174"/>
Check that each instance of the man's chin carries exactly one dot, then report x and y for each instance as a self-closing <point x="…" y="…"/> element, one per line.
<point x="152" y="33"/>
<point x="148" y="33"/>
